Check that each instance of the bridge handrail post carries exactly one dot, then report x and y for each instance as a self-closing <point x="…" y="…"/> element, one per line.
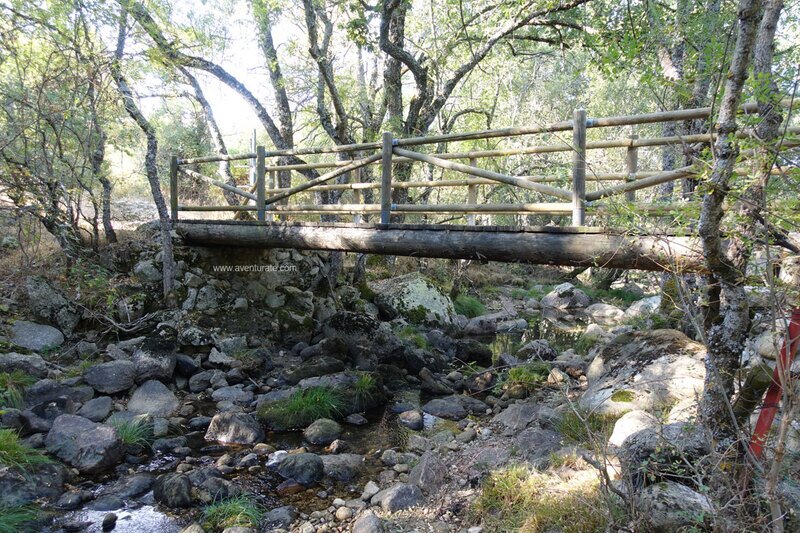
<point x="260" y="186"/>
<point x="173" y="187"/>
<point x="386" y="177"/>
<point x="579" y="167"/>
<point x="357" y="199"/>
<point x="472" y="194"/>
<point x="631" y="167"/>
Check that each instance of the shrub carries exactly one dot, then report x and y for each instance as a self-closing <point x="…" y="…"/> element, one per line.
<point x="469" y="306"/>
<point x="240" y="511"/>
<point x="303" y="407"/>
<point x="12" y="386"/>
<point x="15" y="454"/>
<point x="135" y="432"/>
<point x="14" y="519"/>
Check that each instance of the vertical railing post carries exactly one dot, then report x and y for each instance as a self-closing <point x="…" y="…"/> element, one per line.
<point x="173" y="188"/>
<point x="357" y="200"/>
<point x="272" y="181"/>
<point x="631" y="167"/>
<point x="579" y="167"/>
<point x="386" y="177"/>
<point x="260" y="178"/>
<point x="472" y="194"/>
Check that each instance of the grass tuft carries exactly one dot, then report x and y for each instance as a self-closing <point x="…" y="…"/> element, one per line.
<point x="12" y="387"/>
<point x="239" y="511"/>
<point x="469" y="306"/>
<point x="412" y="334"/>
<point x="529" y="375"/>
<point x="15" y="454"/>
<point x="13" y="519"/>
<point x="364" y="386"/>
<point x="135" y="432"/>
<point x="586" y="428"/>
<point x="304" y="407"/>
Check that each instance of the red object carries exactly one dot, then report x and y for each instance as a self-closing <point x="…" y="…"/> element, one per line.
<point x="774" y="393"/>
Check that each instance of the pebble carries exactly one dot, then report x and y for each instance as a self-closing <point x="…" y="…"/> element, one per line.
<point x="109" y="522"/>
<point x="338" y="502"/>
<point x="344" y="513"/>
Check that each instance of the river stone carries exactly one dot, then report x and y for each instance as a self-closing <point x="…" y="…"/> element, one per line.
<point x="305" y="468"/>
<point x="111" y="377"/>
<point x="153" y="366"/>
<point x="605" y="312"/>
<point x="234" y="428"/>
<point x="35" y="337"/>
<point x="412" y="420"/>
<point x="96" y="409"/>
<point x="322" y="432"/>
<point x="131" y="486"/>
<point x="517" y="416"/>
<point x="644" y="370"/>
<point x="280" y="517"/>
<point x="446" y="408"/>
<point x="32" y="365"/>
<point x="234" y="393"/>
<point x="398" y="497"/>
<point x="537" y="349"/>
<point x="429" y="474"/>
<point x="415" y="298"/>
<point x="209" y="378"/>
<point x="670" y="506"/>
<point x="368" y="523"/>
<point x="318" y="366"/>
<point x="153" y="398"/>
<point x="173" y="490"/>
<point x="565" y="296"/>
<point x="343" y="467"/>
<point x="37" y="481"/>
<point x="86" y="445"/>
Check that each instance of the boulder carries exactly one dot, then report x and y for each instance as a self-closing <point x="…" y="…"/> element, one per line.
<point x="429" y="473"/>
<point x="111" y="377"/>
<point x="235" y="394"/>
<point x="447" y="408"/>
<point x="415" y="298"/>
<point x="153" y="366"/>
<point x="234" y="428"/>
<point x="96" y="409"/>
<point x="537" y="349"/>
<point x="86" y="445"/>
<point x="670" y="506"/>
<point x="37" y="481"/>
<point x="644" y="370"/>
<point x="398" y="497"/>
<point x="173" y="490"/>
<point x="147" y="271"/>
<point x="630" y="423"/>
<point x="31" y="365"/>
<point x="565" y="296"/>
<point x="279" y="517"/>
<point x="368" y="523"/>
<point x="642" y="308"/>
<point x="344" y="467"/>
<point x="604" y="313"/>
<point x="208" y="378"/>
<point x="153" y="398"/>
<point x="411" y="419"/>
<point x="305" y="468"/>
<point x="322" y="432"/>
<point x="517" y="416"/>
<point x="35" y="337"/>
<point x="318" y="366"/>
<point x="49" y="305"/>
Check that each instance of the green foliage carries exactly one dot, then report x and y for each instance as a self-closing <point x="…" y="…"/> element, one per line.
<point x="364" y="386"/>
<point x="411" y="333"/>
<point x="304" y="407"/>
<point x="93" y="285"/>
<point x="240" y="511"/>
<point x="12" y="387"/>
<point x="623" y="396"/>
<point x="586" y="427"/>
<point x="620" y="297"/>
<point x="521" y="499"/>
<point x="15" y="454"/>
<point x="469" y="306"/>
<point x="15" y="519"/>
<point x="529" y="375"/>
<point x="135" y="432"/>
<point x="585" y="344"/>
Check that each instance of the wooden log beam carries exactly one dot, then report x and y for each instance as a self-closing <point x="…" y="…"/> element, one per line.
<point x="216" y="183"/>
<point x="553" y="246"/>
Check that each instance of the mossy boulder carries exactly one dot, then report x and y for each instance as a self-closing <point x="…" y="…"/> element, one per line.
<point x="415" y="298"/>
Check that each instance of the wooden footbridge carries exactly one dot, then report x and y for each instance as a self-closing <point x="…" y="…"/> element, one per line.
<point x="282" y="221"/>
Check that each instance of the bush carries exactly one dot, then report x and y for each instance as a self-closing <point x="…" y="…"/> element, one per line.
<point x="12" y="386"/>
<point x="304" y="407"/>
<point x="14" y="519"/>
<point x="15" y="454"/>
<point x="240" y="511"/>
<point x="469" y="306"/>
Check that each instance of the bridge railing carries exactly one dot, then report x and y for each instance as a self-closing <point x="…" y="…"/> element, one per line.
<point x="266" y="201"/>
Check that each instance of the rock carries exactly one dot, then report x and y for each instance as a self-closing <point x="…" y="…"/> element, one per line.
<point x="768" y="344"/>
<point x="48" y="304"/>
<point x="234" y="428"/>
<point x="153" y="398"/>
<point x="663" y="453"/>
<point x="111" y="377"/>
<point x="535" y="445"/>
<point x="151" y="366"/>
<point x="37" y="481"/>
<point x="173" y="490"/>
<point x="447" y="408"/>
<point x="431" y="384"/>
<point x="630" y="423"/>
<point x="131" y="486"/>
<point x="86" y="445"/>
<point x="195" y="337"/>
<point x="370" y="490"/>
<point x="209" y="378"/>
<point x="565" y="296"/>
<point x="670" y="506"/>
<point x="280" y="517"/>
<point x="398" y="497"/>
<point x="415" y="298"/>
<point x="193" y="528"/>
<point x="322" y="432"/>
<point x="486" y="324"/>
<point x="356" y="419"/>
<point x="368" y="523"/>
<point x="185" y="366"/>
<point x="605" y="313"/>
<point x="429" y="474"/>
<point x="343" y="467"/>
<point x="305" y="468"/>
<point x="96" y="409"/>
<point x="412" y="420"/>
<point x="538" y="349"/>
<point x="644" y="370"/>
<point x="474" y="351"/>
<point x="344" y="513"/>
<point x="642" y="308"/>
<point x="235" y="394"/>
<point x="35" y="337"/>
<point x="32" y="365"/>
<point x="318" y="366"/>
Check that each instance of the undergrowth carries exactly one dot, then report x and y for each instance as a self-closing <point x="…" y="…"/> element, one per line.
<point x="305" y="406"/>
<point x="16" y="454"/>
<point x="239" y="511"/>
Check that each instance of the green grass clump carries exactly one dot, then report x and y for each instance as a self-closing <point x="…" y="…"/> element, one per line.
<point x="13" y="519"/>
<point x="529" y="375"/>
<point x="135" y="432"/>
<point x="12" y="386"/>
<point x="585" y="344"/>
<point x="522" y="500"/>
<point x="586" y="428"/>
<point x="469" y="306"/>
<point x="240" y="511"/>
<point x="620" y="297"/>
<point x="304" y="407"/>
<point x="15" y="454"/>
<point x="412" y="334"/>
<point x="364" y="386"/>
